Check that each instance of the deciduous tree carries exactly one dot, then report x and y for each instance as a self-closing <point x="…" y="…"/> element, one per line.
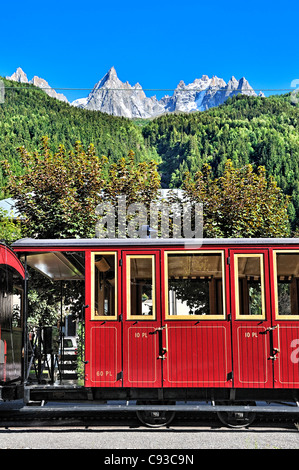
<point x="240" y="203"/>
<point x="57" y="192"/>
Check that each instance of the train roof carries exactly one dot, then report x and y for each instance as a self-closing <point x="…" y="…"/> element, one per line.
<point x="60" y="259"/>
<point x="25" y="243"/>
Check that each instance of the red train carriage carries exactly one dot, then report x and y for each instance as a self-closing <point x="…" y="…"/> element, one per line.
<point x="11" y="337"/>
<point x="170" y="320"/>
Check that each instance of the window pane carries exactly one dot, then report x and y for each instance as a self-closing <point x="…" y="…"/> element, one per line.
<point x="195" y="284"/>
<point x="141" y="286"/>
<point x="288" y="283"/>
<point x="250" y="285"/>
<point x="105" y="284"/>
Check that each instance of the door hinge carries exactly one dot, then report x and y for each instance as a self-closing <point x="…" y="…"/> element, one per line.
<point x="120" y="262"/>
<point x="228" y="260"/>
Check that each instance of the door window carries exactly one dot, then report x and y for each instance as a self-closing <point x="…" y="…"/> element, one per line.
<point x="104" y="289"/>
<point x="249" y="287"/>
<point x="194" y="285"/>
<point x="141" y="287"/>
<point x="286" y="272"/>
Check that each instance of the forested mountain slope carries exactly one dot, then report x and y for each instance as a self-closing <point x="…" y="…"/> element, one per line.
<point x="261" y="131"/>
<point x="246" y="129"/>
<point x="28" y="113"/>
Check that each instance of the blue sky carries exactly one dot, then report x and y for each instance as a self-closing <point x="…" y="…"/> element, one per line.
<point x="73" y="44"/>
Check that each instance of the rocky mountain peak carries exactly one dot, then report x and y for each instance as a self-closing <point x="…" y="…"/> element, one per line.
<point x="21" y="77"/>
<point x="44" y="85"/>
<point x="109" y="79"/>
<point x="111" y="95"/>
<point x="181" y="84"/>
<point x="112" y="72"/>
<point x="245" y="87"/>
<point x="233" y="81"/>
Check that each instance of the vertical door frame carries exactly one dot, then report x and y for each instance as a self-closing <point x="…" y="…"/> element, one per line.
<point x="95" y="338"/>
<point x="251" y="338"/>
<point x="141" y="336"/>
<point x="285" y="332"/>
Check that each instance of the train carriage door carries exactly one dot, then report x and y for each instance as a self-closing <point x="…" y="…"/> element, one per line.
<point x="285" y="308"/>
<point x="197" y="335"/>
<point x="103" y="328"/>
<point x="251" y="319"/>
<point x="141" y="319"/>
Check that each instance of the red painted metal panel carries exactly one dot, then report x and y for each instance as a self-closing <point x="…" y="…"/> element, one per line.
<point x="105" y="355"/>
<point x="198" y="354"/>
<point x="3" y="356"/>
<point x="251" y="337"/>
<point x="142" y="351"/>
<point x="7" y="257"/>
<point x="141" y="337"/>
<point x="251" y="356"/>
<point x="103" y="341"/>
<point x="286" y="365"/>
<point x="285" y="334"/>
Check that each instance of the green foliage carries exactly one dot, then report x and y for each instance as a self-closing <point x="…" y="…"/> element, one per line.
<point x="10" y="229"/>
<point x="40" y="311"/>
<point x="45" y="297"/>
<point x="28" y="114"/>
<point x="245" y="130"/>
<point x="57" y="192"/>
<point x="240" y="203"/>
<point x="140" y="183"/>
<point x="259" y="131"/>
<point x="81" y="354"/>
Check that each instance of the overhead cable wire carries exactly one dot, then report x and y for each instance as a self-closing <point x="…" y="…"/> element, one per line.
<point x="148" y="89"/>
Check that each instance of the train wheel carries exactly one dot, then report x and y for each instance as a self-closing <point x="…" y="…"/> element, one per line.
<point x="236" y="419"/>
<point x="155" y="419"/>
